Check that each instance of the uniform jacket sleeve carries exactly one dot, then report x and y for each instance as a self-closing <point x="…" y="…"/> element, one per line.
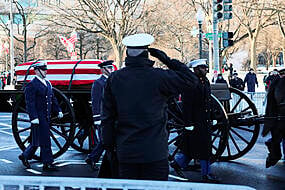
<point x="30" y="98"/>
<point x="177" y="78"/>
<point x="96" y="98"/>
<point x="255" y="79"/>
<point x="108" y="115"/>
<point x="55" y="106"/>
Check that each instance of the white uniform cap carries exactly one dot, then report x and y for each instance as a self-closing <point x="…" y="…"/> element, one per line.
<point x="197" y="62"/>
<point x="138" y="40"/>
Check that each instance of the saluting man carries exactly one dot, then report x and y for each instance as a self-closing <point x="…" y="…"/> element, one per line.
<point x="134" y="108"/>
<point x="40" y="103"/>
<point x="96" y="96"/>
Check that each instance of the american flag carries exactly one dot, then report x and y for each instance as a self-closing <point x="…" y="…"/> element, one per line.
<point x="73" y="37"/>
<point x="70" y="42"/>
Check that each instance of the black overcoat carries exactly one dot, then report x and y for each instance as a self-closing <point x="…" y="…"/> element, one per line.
<point x="136" y="97"/>
<point x="196" y="104"/>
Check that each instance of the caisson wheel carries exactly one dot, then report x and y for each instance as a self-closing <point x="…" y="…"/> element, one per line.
<point x="242" y="134"/>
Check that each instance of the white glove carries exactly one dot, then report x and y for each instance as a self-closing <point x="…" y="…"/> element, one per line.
<point x="97" y="122"/>
<point x="35" y="121"/>
<point x="214" y="122"/>
<point x="60" y="115"/>
<point x="190" y="128"/>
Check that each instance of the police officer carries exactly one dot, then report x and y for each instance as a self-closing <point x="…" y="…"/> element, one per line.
<point x="96" y="96"/>
<point x="135" y="98"/>
<point x="196" y="143"/>
<point x="40" y="103"/>
<point x="275" y="114"/>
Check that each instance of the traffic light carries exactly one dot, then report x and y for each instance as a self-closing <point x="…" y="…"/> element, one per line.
<point x="227" y="39"/>
<point x="218" y="9"/>
<point x="228" y="8"/>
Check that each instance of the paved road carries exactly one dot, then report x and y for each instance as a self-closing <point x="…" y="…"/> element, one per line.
<point x="248" y="170"/>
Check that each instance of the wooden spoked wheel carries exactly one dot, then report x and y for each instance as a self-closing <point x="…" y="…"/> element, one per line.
<point x="242" y="132"/>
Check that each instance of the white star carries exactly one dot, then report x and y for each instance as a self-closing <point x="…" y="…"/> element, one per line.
<point x="10" y="101"/>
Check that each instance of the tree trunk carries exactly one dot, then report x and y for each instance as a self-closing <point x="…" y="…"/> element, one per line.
<point x="253" y="53"/>
<point x="118" y="51"/>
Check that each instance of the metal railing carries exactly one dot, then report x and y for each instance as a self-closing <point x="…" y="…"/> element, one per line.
<point x="62" y="183"/>
<point x="259" y="99"/>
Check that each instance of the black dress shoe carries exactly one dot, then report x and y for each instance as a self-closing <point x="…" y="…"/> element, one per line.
<point x="25" y="161"/>
<point x="49" y="167"/>
<point x="210" y="178"/>
<point x="270" y="162"/>
<point x="91" y="163"/>
<point x="177" y="168"/>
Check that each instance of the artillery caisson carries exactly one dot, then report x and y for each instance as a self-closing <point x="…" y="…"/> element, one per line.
<point x="233" y="134"/>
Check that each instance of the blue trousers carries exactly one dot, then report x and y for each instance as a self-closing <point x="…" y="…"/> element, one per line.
<point x="98" y="150"/>
<point x="184" y="160"/>
<point x="46" y="153"/>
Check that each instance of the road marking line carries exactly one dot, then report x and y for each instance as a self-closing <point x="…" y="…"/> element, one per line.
<point x="8" y="148"/>
<point x="6" y="161"/>
<point x="5" y="132"/>
<point x="5" y="124"/>
<point x="176" y="177"/>
<point x="69" y="163"/>
<point x="34" y="171"/>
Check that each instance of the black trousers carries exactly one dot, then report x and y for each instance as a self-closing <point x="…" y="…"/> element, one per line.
<point x="277" y="133"/>
<point x="157" y="170"/>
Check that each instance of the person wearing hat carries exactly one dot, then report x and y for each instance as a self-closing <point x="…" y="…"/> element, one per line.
<point x="250" y="80"/>
<point x="196" y="104"/>
<point x="106" y="68"/>
<point x="40" y="104"/>
<point x="275" y="114"/>
<point x="220" y="79"/>
<point x="135" y="98"/>
<point x="237" y="82"/>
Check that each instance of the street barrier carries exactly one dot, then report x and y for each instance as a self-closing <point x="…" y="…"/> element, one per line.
<point x="71" y="183"/>
<point x="259" y="99"/>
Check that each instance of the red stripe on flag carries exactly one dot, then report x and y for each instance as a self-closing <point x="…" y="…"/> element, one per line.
<point x="66" y="62"/>
<point x="63" y="71"/>
<point x="66" y="82"/>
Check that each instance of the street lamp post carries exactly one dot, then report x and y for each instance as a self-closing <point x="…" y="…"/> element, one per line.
<point x="200" y="18"/>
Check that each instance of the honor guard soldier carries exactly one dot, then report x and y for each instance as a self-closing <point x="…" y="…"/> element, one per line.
<point x="274" y="120"/>
<point x="96" y="96"/>
<point x="196" y="144"/>
<point x="40" y="103"/>
<point x="134" y="113"/>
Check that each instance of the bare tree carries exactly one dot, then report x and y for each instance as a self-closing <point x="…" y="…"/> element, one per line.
<point x="254" y="16"/>
<point x="112" y="19"/>
<point x="26" y="16"/>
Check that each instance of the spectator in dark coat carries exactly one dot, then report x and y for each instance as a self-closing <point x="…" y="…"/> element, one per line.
<point x="96" y="96"/>
<point x="135" y="98"/>
<point x="237" y="82"/>
<point x="275" y="108"/>
<point x="220" y="79"/>
<point x="40" y="103"/>
<point x="274" y="75"/>
<point x="250" y="80"/>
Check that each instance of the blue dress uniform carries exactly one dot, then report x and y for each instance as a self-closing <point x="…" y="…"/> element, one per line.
<point x="96" y="96"/>
<point x="40" y="102"/>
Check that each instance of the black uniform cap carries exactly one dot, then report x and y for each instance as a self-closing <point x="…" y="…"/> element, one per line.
<point x="40" y="65"/>
<point x="106" y="63"/>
